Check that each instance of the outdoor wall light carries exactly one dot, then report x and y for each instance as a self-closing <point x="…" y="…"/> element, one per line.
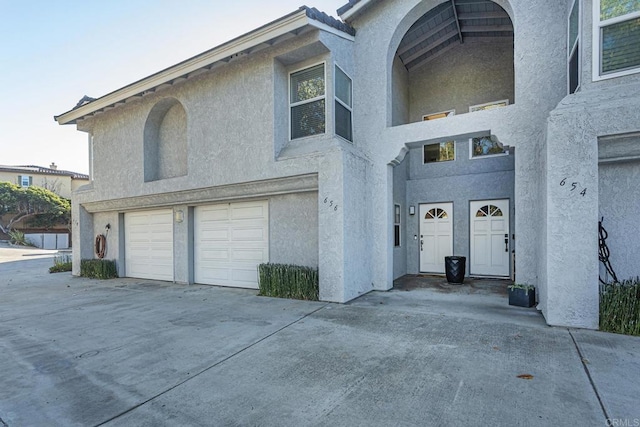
<point x="412" y="210"/>
<point x="178" y="216"/>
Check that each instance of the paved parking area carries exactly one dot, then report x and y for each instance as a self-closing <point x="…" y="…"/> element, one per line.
<point x="128" y="352"/>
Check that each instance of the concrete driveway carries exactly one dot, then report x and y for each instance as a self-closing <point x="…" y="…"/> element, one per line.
<point x="128" y="352"/>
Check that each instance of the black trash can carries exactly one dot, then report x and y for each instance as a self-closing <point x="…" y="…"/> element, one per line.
<point x="454" y="267"/>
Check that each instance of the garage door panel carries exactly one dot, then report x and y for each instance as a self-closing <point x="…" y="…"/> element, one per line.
<point x="215" y="255"/>
<point x="241" y="211"/>
<point x="248" y="255"/>
<point x="228" y="250"/>
<point x="249" y="234"/>
<point x="149" y="244"/>
<point x="215" y="234"/>
<point x="247" y="276"/>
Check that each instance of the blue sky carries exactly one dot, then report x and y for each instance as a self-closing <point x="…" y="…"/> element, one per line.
<point x="54" y="52"/>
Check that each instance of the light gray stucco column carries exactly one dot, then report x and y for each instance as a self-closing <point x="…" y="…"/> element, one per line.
<point x="571" y="297"/>
<point x="82" y="239"/>
<point x="331" y="228"/>
<point x="182" y="244"/>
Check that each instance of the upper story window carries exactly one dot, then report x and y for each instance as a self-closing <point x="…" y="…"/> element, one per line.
<point x="440" y="115"/>
<point x="307" y="102"/>
<point x="616" y="38"/>
<point x="344" y="104"/>
<point x="25" y="181"/>
<point x="441" y="152"/>
<point x="486" y="146"/>
<point x="573" y="58"/>
<point x="489" y="105"/>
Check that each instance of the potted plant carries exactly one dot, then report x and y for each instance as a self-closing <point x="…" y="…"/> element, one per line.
<point x="522" y="295"/>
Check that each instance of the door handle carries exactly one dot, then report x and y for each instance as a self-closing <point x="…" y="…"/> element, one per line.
<point x="421" y="243"/>
<point x="506" y="244"/>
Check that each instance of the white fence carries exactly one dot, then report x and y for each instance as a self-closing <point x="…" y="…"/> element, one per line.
<point x="49" y="240"/>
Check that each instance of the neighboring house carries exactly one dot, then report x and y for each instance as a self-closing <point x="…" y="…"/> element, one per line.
<point x="61" y="182"/>
<point x="497" y="130"/>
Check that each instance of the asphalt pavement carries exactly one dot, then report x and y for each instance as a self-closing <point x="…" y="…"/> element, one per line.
<point x="131" y="352"/>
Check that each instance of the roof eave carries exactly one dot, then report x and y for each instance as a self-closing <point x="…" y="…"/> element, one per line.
<point x="287" y="24"/>
<point x="354" y="10"/>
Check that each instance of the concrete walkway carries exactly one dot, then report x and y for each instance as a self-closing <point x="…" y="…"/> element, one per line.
<point x="128" y="352"/>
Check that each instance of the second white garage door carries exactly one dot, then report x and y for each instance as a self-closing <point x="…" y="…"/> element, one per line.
<point x="230" y="240"/>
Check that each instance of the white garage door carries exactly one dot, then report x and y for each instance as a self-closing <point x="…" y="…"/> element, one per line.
<point x="148" y="237"/>
<point x="230" y="240"/>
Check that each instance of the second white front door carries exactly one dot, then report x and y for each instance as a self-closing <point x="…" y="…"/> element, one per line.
<point x="490" y="238"/>
<point x="436" y="236"/>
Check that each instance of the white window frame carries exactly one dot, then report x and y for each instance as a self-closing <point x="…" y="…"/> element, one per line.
<point x="478" y="107"/>
<point x="397" y="207"/>
<point x="308" y="101"/>
<point x="448" y="113"/>
<point x="22" y="181"/>
<point x="335" y="96"/>
<point x="597" y="47"/>
<point x="576" y="46"/>
<point x="484" y="156"/>
<point x="455" y="152"/>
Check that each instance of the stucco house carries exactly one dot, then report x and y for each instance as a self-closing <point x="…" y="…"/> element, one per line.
<point x="375" y="145"/>
<point x="61" y="182"/>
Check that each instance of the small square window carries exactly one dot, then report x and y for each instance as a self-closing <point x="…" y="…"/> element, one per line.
<point x="486" y="146"/>
<point x="25" y="181"/>
<point x="440" y="115"/>
<point x="489" y="105"/>
<point x="442" y="152"/>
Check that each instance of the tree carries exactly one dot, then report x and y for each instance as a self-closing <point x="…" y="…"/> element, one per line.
<point x="18" y="204"/>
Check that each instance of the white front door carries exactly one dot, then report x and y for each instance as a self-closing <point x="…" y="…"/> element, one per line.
<point x="490" y="238"/>
<point x="436" y="236"/>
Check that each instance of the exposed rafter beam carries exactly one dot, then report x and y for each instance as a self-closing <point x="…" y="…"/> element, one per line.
<point x="455" y="14"/>
<point x="497" y="14"/>
<point x="429" y="47"/>
<point x="435" y="30"/>
<point x="485" y="28"/>
<point x="434" y="56"/>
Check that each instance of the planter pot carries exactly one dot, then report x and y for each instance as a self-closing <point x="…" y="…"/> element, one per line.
<point x="522" y="297"/>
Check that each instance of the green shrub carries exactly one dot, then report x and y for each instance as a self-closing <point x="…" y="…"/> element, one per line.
<point x="98" y="268"/>
<point x="61" y="263"/>
<point x="17" y="237"/>
<point x="620" y="307"/>
<point x="288" y="281"/>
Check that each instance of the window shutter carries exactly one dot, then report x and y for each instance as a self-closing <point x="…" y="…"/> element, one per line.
<point x="20" y="180"/>
<point x="30" y="181"/>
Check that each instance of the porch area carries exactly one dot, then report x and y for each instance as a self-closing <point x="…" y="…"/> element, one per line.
<point x="477" y="299"/>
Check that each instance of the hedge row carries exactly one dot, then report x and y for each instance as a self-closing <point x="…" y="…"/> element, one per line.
<point x="98" y="268"/>
<point x="620" y="307"/>
<point x="288" y="281"/>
